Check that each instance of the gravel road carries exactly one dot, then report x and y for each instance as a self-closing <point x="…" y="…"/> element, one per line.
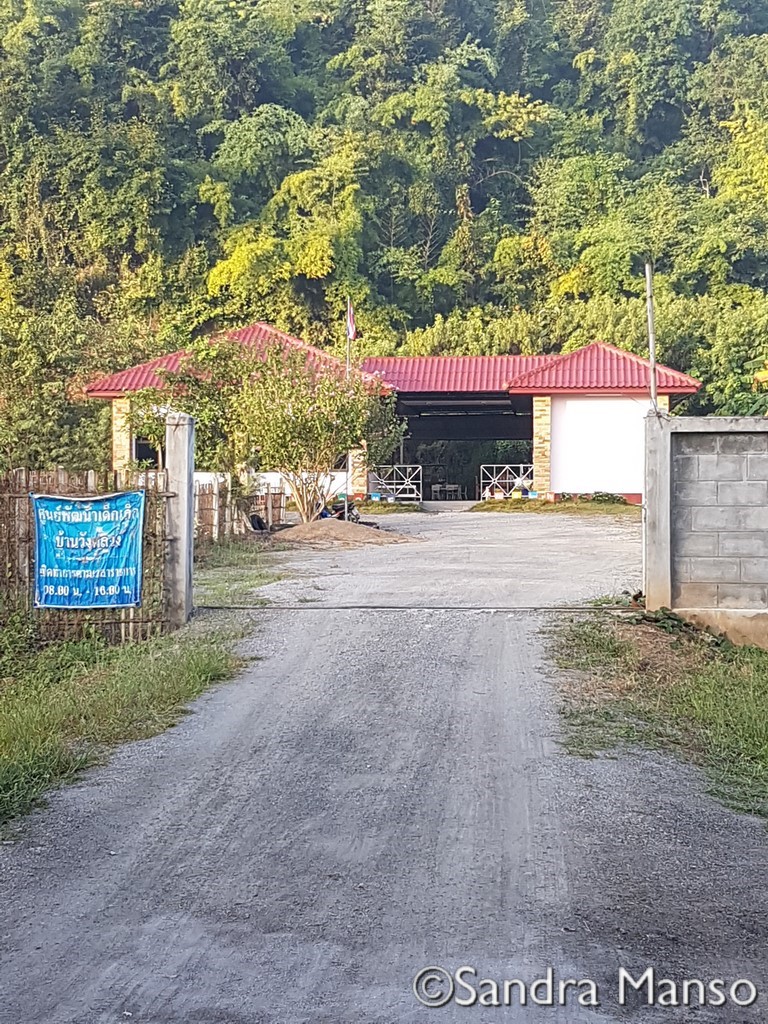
<point x="383" y="791"/>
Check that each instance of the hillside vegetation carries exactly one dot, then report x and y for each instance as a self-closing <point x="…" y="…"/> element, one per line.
<point x="481" y="176"/>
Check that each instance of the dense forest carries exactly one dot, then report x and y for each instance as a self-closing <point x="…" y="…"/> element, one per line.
<point x="481" y="176"/>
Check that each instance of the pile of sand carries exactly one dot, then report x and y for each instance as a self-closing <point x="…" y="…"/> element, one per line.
<point x="336" y="533"/>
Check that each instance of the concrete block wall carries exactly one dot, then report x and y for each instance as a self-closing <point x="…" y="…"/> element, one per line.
<point x="720" y="520"/>
<point x="706" y="521"/>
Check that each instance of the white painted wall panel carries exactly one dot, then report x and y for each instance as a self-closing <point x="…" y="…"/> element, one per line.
<point x="598" y="444"/>
<point x="337" y="482"/>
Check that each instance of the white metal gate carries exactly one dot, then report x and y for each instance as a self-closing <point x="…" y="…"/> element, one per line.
<point x="501" y="481"/>
<point x="403" y="483"/>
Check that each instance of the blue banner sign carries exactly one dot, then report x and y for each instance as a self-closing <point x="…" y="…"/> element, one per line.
<point x="88" y="551"/>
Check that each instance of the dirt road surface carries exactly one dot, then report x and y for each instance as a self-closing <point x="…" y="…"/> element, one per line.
<point x="384" y="791"/>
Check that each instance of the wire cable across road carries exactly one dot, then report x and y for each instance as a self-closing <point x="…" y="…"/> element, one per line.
<point x="312" y="607"/>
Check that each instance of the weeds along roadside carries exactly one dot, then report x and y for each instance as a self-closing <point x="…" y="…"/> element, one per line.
<point x="578" y="507"/>
<point x="232" y="572"/>
<point x="65" y="704"/>
<point x="657" y="681"/>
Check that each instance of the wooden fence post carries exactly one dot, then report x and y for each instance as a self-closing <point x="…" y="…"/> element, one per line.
<point x="216" y="525"/>
<point x="180" y="512"/>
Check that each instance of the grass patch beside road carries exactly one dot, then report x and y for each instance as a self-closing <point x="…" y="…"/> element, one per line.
<point x="232" y="571"/>
<point x="660" y="682"/>
<point x="571" y="507"/>
<point x="63" y="706"/>
<point x="236" y="553"/>
<point x="386" y="508"/>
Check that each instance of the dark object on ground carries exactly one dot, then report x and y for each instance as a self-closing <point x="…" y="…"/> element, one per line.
<point x="345" y="510"/>
<point x="257" y="522"/>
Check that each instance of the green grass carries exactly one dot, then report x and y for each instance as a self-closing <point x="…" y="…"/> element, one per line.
<point x="221" y="588"/>
<point x="666" y="684"/>
<point x="571" y="507"/>
<point x="246" y="552"/>
<point x="230" y="573"/>
<point x="63" y="706"/>
<point x="591" y="645"/>
<point x="387" y="508"/>
<point x="381" y="508"/>
<point x="623" y="600"/>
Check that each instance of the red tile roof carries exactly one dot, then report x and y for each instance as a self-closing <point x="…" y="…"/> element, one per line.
<point x="152" y="374"/>
<point x="451" y="373"/>
<point x="599" y="368"/>
<point x="596" y="368"/>
<point x="138" y="377"/>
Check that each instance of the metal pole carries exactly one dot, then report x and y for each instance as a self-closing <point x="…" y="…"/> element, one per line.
<point x="651" y="331"/>
<point x="349" y="456"/>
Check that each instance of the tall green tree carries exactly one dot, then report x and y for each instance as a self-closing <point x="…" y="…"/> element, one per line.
<point x="480" y="176"/>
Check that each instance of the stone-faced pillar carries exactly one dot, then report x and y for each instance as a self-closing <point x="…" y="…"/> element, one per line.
<point x="122" y="434"/>
<point x="358" y="471"/>
<point x="542" y="443"/>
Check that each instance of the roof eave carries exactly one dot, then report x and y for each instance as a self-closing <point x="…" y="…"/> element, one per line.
<point x="614" y="392"/>
<point x="106" y="395"/>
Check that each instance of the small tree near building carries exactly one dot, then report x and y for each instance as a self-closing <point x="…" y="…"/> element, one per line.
<point x="297" y="418"/>
<point x="278" y="410"/>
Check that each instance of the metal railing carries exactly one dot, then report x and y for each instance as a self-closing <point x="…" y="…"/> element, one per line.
<point x="502" y="481"/>
<point x="403" y="483"/>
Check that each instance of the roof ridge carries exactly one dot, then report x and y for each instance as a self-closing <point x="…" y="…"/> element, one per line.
<point x="270" y="329"/>
<point x="643" y="361"/>
<point x="257" y="335"/>
<point x="627" y="365"/>
<point x="465" y="355"/>
<point x="146" y="364"/>
<point x="496" y="355"/>
<point x="556" y="358"/>
<point x="563" y="357"/>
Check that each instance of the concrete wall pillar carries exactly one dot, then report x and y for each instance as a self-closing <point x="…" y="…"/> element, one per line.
<point x="657" y="508"/>
<point x="542" y="443"/>
<point x="122" y="434"/>
<point x="180" y="514"/>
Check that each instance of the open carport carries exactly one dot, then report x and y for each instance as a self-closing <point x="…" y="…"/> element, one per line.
<point x="552" y="424"/>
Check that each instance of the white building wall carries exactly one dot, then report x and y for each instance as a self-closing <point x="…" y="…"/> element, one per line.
<point x="337" y="482"/>
<point x="598" y="444"/>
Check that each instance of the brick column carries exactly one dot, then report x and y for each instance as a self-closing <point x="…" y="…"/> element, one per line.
<point x="542" y="442"/>
<point x="358" y="471"/>
<point x="122" y="434"/>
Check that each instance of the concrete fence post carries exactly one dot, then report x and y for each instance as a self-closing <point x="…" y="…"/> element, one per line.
<point x="657" y="553"/>
<point x="180" y="514"/>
